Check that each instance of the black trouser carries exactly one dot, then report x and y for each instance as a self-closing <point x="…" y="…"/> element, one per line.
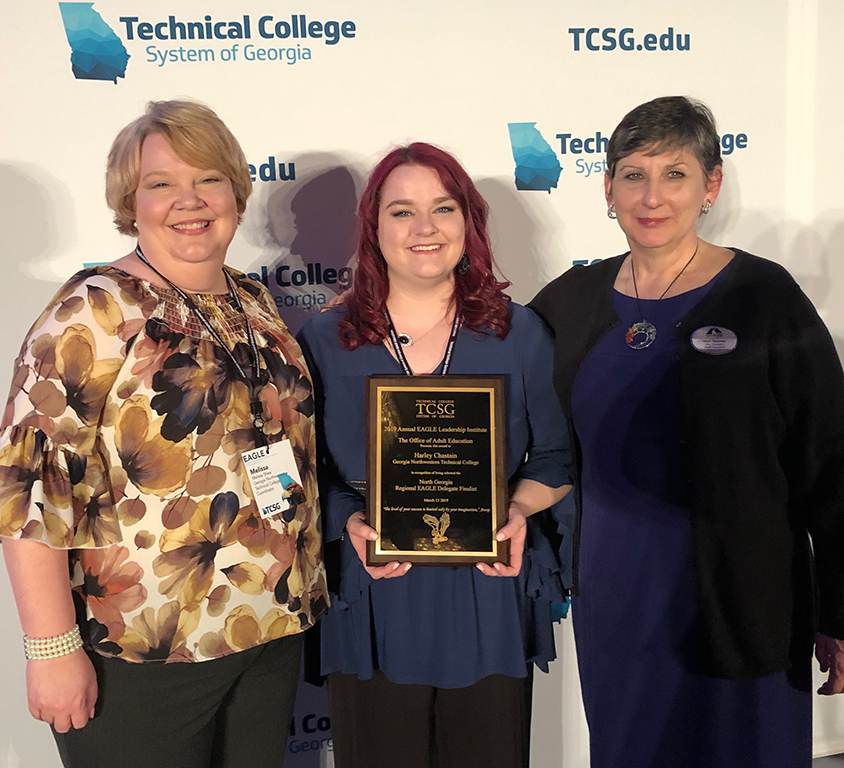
<point x="232" y="712"/>
<point x="379" y="724"/>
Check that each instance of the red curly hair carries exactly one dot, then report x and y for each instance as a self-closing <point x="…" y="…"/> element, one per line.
<point x="478" y="295"/>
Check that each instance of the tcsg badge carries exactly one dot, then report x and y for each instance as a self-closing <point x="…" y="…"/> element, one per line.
<point x="714" y="340"/>
<point x="274" y="478"/>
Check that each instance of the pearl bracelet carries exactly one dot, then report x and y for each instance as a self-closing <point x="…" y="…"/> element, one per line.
<point x="52" y="647"/>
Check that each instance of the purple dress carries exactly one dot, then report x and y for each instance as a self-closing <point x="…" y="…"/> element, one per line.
<point x="634" y="615"/>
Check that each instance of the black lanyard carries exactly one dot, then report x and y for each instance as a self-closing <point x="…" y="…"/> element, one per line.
<point x="254" y="382"/>
<point x="449" y="350"/>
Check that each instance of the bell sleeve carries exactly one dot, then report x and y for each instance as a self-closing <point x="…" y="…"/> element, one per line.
<point x="54" y="477"/>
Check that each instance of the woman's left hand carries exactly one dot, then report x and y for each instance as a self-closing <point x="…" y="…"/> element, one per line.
<point x="514" y="532"/>
<point x="830" y="655"/>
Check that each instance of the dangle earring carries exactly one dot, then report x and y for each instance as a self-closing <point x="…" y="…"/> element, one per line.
<point x="463" y="265"/>
<point x="705" y="208"/>
<point x="611" y="212"/>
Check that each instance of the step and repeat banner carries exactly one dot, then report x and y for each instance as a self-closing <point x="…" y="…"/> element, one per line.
<point x="526" y="94"/>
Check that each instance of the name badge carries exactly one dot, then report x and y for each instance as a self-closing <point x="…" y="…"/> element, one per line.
<point x="714" y="340"/>
<point x="274" y="478"/>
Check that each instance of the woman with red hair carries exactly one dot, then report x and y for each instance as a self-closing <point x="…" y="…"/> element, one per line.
<point x="432" y="665"/>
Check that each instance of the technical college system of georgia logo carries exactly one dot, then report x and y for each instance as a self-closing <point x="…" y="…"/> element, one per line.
<point x="97" y="53"/>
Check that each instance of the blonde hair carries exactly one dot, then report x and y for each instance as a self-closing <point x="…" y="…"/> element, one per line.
<point x="194" y="133"/>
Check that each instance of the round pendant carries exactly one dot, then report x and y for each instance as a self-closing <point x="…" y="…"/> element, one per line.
<point x="258" y="416"/>
<point x="404" y="339"/>
<point x="640" y="335"/>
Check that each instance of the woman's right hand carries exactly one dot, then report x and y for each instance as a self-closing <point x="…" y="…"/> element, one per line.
<point x="62" y="691"/>
<point x="359" y="533"/>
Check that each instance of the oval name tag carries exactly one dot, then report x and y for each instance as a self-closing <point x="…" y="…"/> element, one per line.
<point x="714" y="340"/>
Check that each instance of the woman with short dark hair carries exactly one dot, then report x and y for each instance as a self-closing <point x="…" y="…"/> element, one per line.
<point x="706" y="403"/>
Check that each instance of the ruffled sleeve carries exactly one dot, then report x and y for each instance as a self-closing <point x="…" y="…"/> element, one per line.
<point x="54" y="482"/>
<point x="548" y="545"/>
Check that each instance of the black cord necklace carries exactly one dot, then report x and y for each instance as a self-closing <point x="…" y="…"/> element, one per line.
<point x="395" y="340"/>
<point x="254" y="379"/>
<point x="642" y="334"/>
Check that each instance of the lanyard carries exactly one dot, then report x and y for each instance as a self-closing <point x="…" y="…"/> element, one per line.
<point x="254" y="382"/>
<point x="394" y="339"/>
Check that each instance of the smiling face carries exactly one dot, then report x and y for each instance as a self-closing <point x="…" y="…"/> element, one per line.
<point x="421" y="230"/>
<point x="184" y="215"/>
<point x="658" y="198"/>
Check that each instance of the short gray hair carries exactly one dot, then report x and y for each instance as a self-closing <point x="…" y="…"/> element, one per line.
<point x="669" y="122"/>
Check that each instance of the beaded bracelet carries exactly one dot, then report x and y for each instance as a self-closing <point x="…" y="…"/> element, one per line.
<point x="51" y="647"/>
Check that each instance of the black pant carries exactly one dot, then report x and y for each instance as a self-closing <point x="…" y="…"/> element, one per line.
<point x="231" y="712"/>
<point x="379" y="724"/>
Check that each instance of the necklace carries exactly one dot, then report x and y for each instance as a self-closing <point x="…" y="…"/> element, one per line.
<point x="406" y="340"/>
<point x="449" y="349"/>
<point x="254" y="379"/>
<point x="642" y="334"/>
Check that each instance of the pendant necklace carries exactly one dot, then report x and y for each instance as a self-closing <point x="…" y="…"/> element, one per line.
<point x="642" y="334"/>
<point x="395" y="340"/>
<point x="257" y="377"/>
<point x="406" y="340"/>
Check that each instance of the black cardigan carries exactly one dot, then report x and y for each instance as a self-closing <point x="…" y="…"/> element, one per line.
<point x="762" y="435"/>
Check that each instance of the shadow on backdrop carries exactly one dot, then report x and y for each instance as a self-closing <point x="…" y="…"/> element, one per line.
<point x="36" y="221"/>
<point x="37" y="225"/>
<point x="514" y="230"/>
<point x="309" y="237"/>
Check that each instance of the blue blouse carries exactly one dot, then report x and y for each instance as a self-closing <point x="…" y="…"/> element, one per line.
<point x="438" y="625"/>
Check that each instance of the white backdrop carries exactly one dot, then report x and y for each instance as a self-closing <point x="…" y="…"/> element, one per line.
<point x="455" y="74"/>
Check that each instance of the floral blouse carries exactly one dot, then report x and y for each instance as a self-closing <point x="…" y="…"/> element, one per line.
<point x="121" y="442"/>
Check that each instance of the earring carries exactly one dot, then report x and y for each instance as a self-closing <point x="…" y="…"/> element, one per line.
<point x="705" y="208"/>
<point x="464" y="264"/>
<point x="611" y="212"/>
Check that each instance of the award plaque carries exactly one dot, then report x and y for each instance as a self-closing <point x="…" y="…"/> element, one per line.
<point x="437" y="492"/>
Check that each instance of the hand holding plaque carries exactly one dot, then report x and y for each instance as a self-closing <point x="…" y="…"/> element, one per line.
<point x="514" y="534"/>
<point x="435" y="469"/>
<point x="360" y="534"/>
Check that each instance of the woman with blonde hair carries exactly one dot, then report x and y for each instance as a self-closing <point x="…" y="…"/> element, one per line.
<point x="140" y="397"/>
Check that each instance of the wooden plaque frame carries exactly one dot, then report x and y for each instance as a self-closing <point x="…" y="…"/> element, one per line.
<point x="435" y="466"/>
